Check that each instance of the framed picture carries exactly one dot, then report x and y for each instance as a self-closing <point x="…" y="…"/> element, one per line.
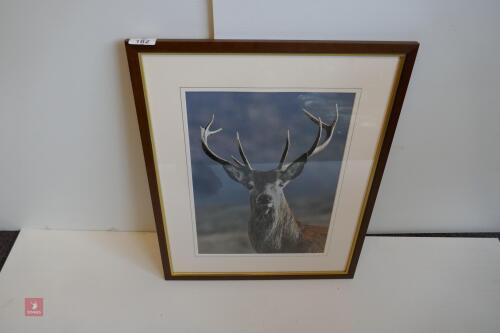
<point x="264" y="157"/>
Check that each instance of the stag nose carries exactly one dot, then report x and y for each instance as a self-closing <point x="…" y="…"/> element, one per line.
<point x="264" y="199"/>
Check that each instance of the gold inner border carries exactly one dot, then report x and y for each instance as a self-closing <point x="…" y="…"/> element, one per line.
<point x="390" y="104"/>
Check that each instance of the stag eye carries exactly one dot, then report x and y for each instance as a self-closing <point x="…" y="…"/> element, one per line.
<point x="282" y="183"/>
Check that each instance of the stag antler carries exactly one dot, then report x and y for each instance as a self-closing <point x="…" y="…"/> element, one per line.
<point x="316" y="147"/>
<point x="206" y="132"/>
<point x="285" y="150"/>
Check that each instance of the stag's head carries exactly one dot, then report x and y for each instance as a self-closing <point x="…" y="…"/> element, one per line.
<point x="266" y="187"/>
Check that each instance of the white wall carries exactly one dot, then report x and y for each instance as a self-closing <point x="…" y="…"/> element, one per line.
<point x="70" y="153"/>
<point x="443" y="172"/>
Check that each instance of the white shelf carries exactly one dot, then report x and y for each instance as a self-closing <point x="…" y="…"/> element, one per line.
<point x="112" y="282"/>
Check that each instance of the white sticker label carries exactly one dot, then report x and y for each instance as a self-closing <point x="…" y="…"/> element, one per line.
<point x="142" y="41"/>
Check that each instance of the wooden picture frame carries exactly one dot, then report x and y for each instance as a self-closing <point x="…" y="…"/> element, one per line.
<point x="200" y="71"/>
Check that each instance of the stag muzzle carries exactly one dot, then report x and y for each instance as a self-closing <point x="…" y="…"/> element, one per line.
<point x="264" y="200"/>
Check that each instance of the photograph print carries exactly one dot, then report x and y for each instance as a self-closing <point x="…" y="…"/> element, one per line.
<point x="265" y="167"/>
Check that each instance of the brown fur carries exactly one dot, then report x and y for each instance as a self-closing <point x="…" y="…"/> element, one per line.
<point x="313" y="238"/>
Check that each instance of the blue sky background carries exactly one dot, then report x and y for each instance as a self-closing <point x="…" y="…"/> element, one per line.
<point x="262" y="119"/>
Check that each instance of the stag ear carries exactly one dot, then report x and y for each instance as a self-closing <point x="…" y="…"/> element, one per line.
<point x="292" y="171"/>
<point x="240" y="175"/>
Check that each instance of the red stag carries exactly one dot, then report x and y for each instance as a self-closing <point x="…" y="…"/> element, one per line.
<point x="273" y="227"/>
